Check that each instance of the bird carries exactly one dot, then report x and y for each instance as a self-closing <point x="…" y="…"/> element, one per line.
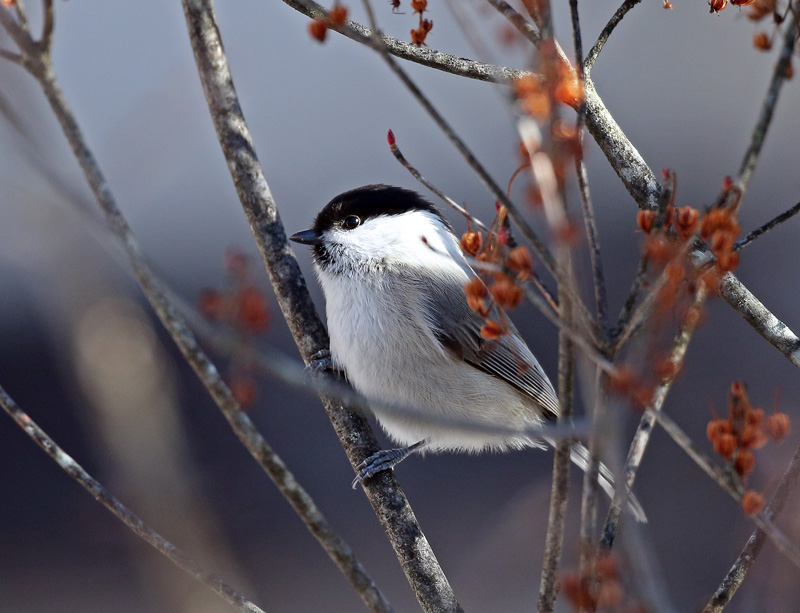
<point x="403" y="334"/>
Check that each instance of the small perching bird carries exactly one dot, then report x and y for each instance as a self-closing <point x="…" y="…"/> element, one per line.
<point x="401" y="330"/>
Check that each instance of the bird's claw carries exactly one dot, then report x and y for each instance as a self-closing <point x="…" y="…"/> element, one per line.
<point x="320" y="362"/>
<point x="385" y="459"/>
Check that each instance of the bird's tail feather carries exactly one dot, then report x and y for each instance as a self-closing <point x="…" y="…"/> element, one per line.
<point x="580" y="457"/>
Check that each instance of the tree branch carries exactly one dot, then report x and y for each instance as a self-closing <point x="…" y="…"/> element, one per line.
<point x="431" y="58"/>
<point x="120" y="511"/>
<point x="641" y="438"/>
<point x="776" y="221"/>
<point x="730" y="483"/>
<point x="413" y="551"/>
<point x="558" y="496"/>
<point x="736" y="575"/>
<point x="37" y="62"/>
<point x="752" y="310"/>
<point x="591" y="58"/>
<point x="768" y="107"/>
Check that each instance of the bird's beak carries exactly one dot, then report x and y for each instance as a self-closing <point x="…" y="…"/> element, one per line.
<point x="306" y="237"/>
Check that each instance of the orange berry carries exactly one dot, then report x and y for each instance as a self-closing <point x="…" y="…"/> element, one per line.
<point x="761" y="41"/>
<point x="318" y="30"/>
<point x="745" y="461"/>
<point x="752" y="502"/>
<point x="725" y="445"/>
<point x="337" y="15"/>
<point x="779" y="425"/>
<point x="506" y="293"/>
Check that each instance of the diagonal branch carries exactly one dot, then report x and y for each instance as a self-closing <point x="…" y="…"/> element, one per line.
<point x="413" y="551"/>
<point x="752" y="548"/>
<point x="777" y="333"/>
<point x="642" y="436"/>
<point x="431" y="58"/>
<point x="120" y="511"/>
<point x="624" y="158"/>
<point x="729" y="481"/>
<point x="591" y="58"/>
<point x="774" y="222"/>
<point x="768" y="107"/>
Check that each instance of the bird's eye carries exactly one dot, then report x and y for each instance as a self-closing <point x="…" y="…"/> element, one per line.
<point x="351" y="221"/>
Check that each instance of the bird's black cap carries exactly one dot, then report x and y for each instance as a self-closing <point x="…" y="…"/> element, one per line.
<point x="371" y="201"/>
<point x="364" y="202"/>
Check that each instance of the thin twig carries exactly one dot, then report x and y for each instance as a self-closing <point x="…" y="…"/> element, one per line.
<point x="37" y="61"/>
<point x="555" y="204"/>
<point x="120" y="511"/>
<point x="10" y="56"/>
<point x="642" y="436"/>
<point x="729" y="482"/>
<point x="767" y="227"/>
<point x="736" y="575"/>
<point x="405" y="535"/>
<point x="768" y="107"/>
<point x="626" y="6"/>
<point x="48" y="23"/>
<point x="376" y="42"/>
<point x="395" y="149"/>
<point x="561" y="463"/>
<point x="518" y="21"/>
<point x="624" y="158"/>
<point x="425" y="56"/>
<point x="598" y="276"/>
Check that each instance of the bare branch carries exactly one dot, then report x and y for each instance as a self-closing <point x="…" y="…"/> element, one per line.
<point x="642" y="436"/>
<point x="767" y="226"/>
<point x="120" y="511"/>
<point x="626" y="6"/>
<point x="47" y="25"/>
<point x="626" y="161"/>
<point x="518" y="21"/>
<point x="445" y="62"/>
<point x="624" y="158"/>
<point x="752" y="548"/>
<point x="11" y="57"/>
<point x="777" y="333"/>
<point x="413" y="551"/>
<point x="339" y="551"/>
<point x="768" y="107"/>
<point x="558" y="496"/>
<point x="598" y="276"/>
<point x="530" y="235"/>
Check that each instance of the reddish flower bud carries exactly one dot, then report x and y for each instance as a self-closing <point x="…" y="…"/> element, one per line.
<point x="318" y="30"/>
<point x="752" y="502"/>
<point x="779" y="425"/>
<point x="761" y="41"/>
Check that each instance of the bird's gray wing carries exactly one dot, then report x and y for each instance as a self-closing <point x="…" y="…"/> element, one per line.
<point x="458" y="329"/>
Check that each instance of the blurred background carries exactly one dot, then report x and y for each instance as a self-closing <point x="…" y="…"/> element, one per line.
<point x="83" y="355"/>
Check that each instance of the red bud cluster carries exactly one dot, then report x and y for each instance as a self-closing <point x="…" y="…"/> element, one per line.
<point x="243" y="306"/>
<point x="744" y="430"/>
<point x="720" y="226"/>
